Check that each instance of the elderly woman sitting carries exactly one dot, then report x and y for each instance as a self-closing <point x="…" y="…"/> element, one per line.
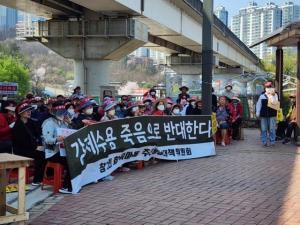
<point x="223" y="118"/>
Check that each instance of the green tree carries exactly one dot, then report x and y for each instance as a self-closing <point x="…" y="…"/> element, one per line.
<point x="289" y="63"/>
<point x="12" y="69"/>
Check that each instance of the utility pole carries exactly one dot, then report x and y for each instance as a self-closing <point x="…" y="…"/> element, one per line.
<point x="207" y="55"/>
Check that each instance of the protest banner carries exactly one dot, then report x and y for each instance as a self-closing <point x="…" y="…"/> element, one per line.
<point x="95" y="151"/>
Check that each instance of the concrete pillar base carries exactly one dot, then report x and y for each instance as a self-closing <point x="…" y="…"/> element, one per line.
<point x="97" y="74"/>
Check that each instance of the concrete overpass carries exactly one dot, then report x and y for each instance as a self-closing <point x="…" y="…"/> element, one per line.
<point x="93" y="32"/>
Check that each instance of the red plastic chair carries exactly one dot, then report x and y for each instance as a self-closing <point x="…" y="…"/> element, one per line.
<point x="13" y="174"/>
<point x="57" y="178"/>
<point x="227" y="138"/>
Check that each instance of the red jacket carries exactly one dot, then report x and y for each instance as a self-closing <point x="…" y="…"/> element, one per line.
<point x="235" y="112"/>
<point x="5" y="130"/>
<point x="158" y="113"/>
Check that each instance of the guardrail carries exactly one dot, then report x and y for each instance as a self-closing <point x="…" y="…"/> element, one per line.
<point x="197" y="5"/>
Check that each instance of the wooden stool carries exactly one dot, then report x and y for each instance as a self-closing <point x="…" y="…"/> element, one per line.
<point x="56" y="179"/>
<point x="9" y="161"/>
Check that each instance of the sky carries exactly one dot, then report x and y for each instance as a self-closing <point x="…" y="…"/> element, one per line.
<point x="233" y="6"/>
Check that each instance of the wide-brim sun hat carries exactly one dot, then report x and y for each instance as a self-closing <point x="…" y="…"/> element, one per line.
<point x="236" y="98"/>
<point x="24" y="107"/>
<point x="85" y="104"/>
<point x="109" y="106"/>
<point x="10" y="108"/>
<point x="183" y="87"/>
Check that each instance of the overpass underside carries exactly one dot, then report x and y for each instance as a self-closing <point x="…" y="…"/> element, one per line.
<point x="93" y="32"/>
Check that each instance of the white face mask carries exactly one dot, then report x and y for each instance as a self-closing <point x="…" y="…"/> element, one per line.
<point x="152" y="93"/>
<point x="161" y="107"/>
<point x="112" y="112"/>
<point x="71" y="111"/>
<point x="89" y="111"/>
<point x="228" y="88"/>
<point x="134" y="109"/>
<point x="4" y="98"/>
<point x="147" y="103"/>
<point x="176" y="111"/>
<point x="193" y="103"/>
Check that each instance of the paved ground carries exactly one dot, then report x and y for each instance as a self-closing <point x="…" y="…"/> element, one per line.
<point x="244" y="184"/>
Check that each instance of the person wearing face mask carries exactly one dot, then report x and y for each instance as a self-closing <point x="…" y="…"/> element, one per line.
<point x="149" y="106"/>
<point x="175" y="111"/>
<point x="291" y="119"/>
<point x="228" y="93"/>
<point x="132" y="110"/>
<point x="159" y="108"/>
<point x="236" y="114"/>
<point x="70" y="110"/>
<point x="52" y="141"/>
<point x="267" y="115"/>
<point x="190" y="110"/>
<point x="26" y="140"/>
<point x="152" y="93"/>
<point x="110" y="112"/>
<point x="85" y="114"/>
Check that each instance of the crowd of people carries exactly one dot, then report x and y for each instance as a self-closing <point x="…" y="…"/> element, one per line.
<point x="30" y="128"/>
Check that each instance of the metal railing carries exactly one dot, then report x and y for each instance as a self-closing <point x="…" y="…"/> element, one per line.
<point x="197" y="5"/>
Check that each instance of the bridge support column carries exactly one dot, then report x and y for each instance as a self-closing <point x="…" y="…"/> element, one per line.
<point x="91" y="74"/>
<point x="92" y="44"/>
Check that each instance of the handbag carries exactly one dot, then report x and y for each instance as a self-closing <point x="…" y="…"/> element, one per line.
<point x="273" y="104"/>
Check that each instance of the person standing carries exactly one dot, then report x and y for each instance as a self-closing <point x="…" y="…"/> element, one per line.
<point x="267" y="114"/>
<point x="183" y="95"/>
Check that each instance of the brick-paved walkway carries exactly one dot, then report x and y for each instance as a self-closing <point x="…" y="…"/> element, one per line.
<point x="244" y="184"/>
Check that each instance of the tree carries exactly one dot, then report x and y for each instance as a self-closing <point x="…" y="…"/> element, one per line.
<point x="289" y="63"/>
<point x="12" y="69"/>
